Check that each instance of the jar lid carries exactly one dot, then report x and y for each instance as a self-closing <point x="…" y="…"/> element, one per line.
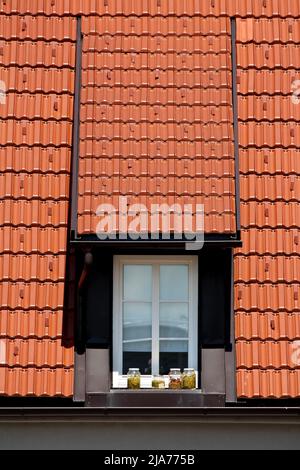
<point x="134" y="369"/>
<point x="174" y="370"/>
<point x="189" y="369"/>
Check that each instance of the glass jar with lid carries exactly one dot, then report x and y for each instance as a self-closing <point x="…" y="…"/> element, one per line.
<point x="175" y="379"/>
<point x="189" y="378"/>
<point x="133" y="378"/>
<point x="158" y="382"/>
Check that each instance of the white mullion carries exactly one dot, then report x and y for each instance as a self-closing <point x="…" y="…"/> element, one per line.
<point x="155" y="320"/>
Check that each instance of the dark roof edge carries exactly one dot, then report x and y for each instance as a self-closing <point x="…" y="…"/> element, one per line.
<point x="226" y="240"/>
<point x="156" y="414"/>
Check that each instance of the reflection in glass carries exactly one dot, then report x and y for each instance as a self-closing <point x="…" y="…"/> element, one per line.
<point x="173" y="320"/>
<point x="173" y="354"/>
<point x="137" y="282"/>
<point x="137" y="317"/>
<point x="173" y="282"/>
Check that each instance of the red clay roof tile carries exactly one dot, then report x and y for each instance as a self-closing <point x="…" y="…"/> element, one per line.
<point x="36" y="353"/>
<point x="36" y="126"/>
<point x="142" y="95"/>
<point x="31" y="324"/>
<point x="267" y="325"/>
<point x="31" y="381"/>
<point x="181" y="86"/>
<point x="38" y="79"/>
<point x="37" y="27"/>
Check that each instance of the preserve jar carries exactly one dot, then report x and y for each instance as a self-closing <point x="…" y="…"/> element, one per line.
<point x="189" y="378"/>
<point x="158" y="382"/>
<point x="175" y="379"/>
<point x="133" y="378"/>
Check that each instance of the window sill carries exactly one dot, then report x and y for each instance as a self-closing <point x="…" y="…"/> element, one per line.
<point x="144" y="398"/>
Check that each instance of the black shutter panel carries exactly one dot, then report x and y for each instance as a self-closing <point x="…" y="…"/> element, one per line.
<point x="214" y="297"/>
<point x="98" y="302"/>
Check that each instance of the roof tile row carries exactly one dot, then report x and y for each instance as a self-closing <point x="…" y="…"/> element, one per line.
<point x="145" y="185"/>
<point x="267" y="325"/>
<point x="270" y="108"/>
<point x="217" y="8"/>
<point x="37" y="53"/>
<point x="115" y="25"/>
<point x="268" y="354"/>
<point x="276" y="241"/>
<point x="267" y="268"/>
<point x="153" y="131"/>
<point x="158" y="78"/>
<point x="118" y="113"/>
<point x="32" y="381"/>
<point x="120" y="60"/>
<point x="274" y="297"/>
<point x="33" y="212"/>
<point x="155" y="96"/>
<point x="33" y="239"/>
<point x="258" y="383"/>
<point x="158" y="45"/>
<point x="266" y="81"/>
<point x="260" y="30"/>
<point x="269" y="134"/>
<point x="35" y="185"/>
<point x="37" y="106"/>
<point x="214" y="221"/>
<point x="37" y="79"/>
<point x="269" y="161"/>
<point x="23" y="159"/>
<point x="20" y="267"/>
<point x="158" y="148"/>
<point x="35" y="132"/>
<point x="268" y="56"/>
<point x="35" y="353"/>
<point x="281" y="214"/>
<point x="181" y="166"/>
<point x="31" y="324"/>
<point x="32" y="295"/>
<point x="37" y="27"/>
<point x="270" y="187"/>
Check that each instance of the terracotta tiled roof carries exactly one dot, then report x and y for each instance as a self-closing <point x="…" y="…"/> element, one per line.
<point x="156" y="111"/>
<point x="159" y="130"/>
<point x="37" y="68"/>
<point x="267" y="267"/>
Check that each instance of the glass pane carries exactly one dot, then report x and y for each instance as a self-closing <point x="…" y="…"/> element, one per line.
<point x="173" y="354"/>
<point x="173" y="282"/>
<point x="177" y="345"/>
<point x="137" y="354"/>
<point x="143" y="345"/>
<point x="137" y="284"/>
<point x="137" y="320"/>
<point x="173" y="320"/>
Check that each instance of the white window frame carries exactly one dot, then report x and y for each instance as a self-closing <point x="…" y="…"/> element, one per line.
<point x="120" y="380"/>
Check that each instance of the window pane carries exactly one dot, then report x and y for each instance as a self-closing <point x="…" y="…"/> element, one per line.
<point x="177" y="345"/>
<point x="173" y="354"/>
<point x="137" y="354"/>
<point x="173" y="282"/>
<point x="137" y="282"/>
<point x="173" y="320"/>
<point x="137" y="320"/>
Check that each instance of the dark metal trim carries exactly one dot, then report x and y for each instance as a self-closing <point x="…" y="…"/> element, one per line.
<point x="159" y="244"/>
<point x="88" y="261"/>
<point x="87" y="413"/>
<point x="154" y="399"/>
<point x="235" y="125"/>
<point x="230" y="356"/>
<point x="79" y="378"/>
<point x="75" y="137"/>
